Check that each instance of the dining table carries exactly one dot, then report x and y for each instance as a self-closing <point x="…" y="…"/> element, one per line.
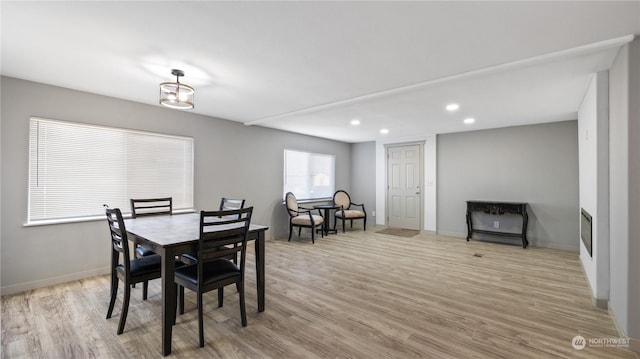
<point x="170" y="236"/>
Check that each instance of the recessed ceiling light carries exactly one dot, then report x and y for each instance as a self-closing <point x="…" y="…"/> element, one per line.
<point x="452" y="107"/>
<point x="469" y="120"/>
<point x="384" y="131"/>
<point x="355" y="122"/>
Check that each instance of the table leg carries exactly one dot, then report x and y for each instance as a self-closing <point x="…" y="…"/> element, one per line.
<point x="525" y="221"/>
<point x="469" y="225"/>
<point x="168" y="299"/>
<point x="260" y="277"/>
<point x="325" y="225"/>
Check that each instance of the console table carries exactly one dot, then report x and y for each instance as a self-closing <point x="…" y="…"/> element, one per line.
<point x="498" y="208"/>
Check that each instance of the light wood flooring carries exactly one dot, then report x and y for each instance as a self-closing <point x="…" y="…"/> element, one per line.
<point x="354" y="295"/>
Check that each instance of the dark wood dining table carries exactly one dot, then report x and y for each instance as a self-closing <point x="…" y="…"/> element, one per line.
<point x="170" y="236"/>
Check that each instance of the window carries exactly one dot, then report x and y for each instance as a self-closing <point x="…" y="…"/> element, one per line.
<point x="309" y="175"/>
<point x="75" y="168"/>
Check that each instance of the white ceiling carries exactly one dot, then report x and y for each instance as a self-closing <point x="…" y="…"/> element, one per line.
<point x="312" y="67"/>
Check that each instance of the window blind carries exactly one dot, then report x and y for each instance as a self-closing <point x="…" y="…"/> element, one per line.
<point x="309" y="175"/>
<point x="75" y="168"/>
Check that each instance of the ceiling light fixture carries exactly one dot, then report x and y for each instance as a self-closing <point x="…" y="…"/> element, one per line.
<point x="452" y="107"/>
<point x="355" y="122"/>
<point x="176" y="95"/>
<point x="384" y="131"/>
<point x="469" y="120"/>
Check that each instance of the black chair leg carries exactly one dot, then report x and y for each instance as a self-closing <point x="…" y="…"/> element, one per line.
<point x="290" y="231"/>
<point x="181" y="298"/>
<point x="299" y="230"/>
<point x="145" y="290"/>
<point x="243" y="311"/>
<point x="200" y="320"/>
<point x="125" y="308"/>
<point x="114" y="292"/>
<point x="343" y="231"/>
<point x="220" y="296"/>
<point x="365" y="223"/>
<point x="313" y="235"/>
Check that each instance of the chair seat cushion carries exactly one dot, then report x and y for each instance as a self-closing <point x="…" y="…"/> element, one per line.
<point x="304" y="220"/>
<point x="214" y="271"/>
<point x="143" y="252"/>
<point x="142" y="266"/>
<point x="350" y="213"/>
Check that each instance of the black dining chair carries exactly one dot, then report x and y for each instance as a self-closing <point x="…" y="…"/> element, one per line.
<point x="129" y="271"/>
<point x="148" y="207"/>
<point x="225" y="205"/>
<point x="222" y="233"/>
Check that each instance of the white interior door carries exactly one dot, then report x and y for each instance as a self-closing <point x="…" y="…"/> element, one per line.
<point x="404" y="166"/>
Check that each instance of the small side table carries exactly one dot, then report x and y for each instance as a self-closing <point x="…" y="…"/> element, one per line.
<point x="327" y="216"/>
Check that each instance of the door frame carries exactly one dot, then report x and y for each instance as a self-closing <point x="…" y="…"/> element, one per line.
<point x="421" y="145"/>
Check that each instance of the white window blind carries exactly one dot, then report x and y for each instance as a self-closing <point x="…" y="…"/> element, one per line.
<point x="75" y="168"/>
<point x="309" y="175"/>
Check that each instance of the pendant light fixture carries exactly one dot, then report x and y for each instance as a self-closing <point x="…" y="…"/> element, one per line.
<point x="175" y="94"/>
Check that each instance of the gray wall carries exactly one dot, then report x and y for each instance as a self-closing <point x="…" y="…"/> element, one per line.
<point x="363" y="175"/>
<point x="624" y="190"/>
<point x="230" y="160"/>
<point x="537" y="164"/>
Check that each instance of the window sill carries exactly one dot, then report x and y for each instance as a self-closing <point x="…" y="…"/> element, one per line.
<point x="315" y="200"/>
<point x="48" y="222"/>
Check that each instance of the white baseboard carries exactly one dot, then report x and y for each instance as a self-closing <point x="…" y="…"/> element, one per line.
<point x="602" y="303"/>
<point x="21" y="287"/>
<point x="551" y="245"/>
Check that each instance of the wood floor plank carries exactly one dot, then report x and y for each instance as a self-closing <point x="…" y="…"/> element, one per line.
<point x="353" y="295"/>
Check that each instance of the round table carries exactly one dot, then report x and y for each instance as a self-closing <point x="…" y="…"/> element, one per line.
<point x="327" y="216"/>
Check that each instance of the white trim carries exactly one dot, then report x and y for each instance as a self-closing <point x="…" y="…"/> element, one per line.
<point x="48" y="222"/>
<point x="41" y="283"/>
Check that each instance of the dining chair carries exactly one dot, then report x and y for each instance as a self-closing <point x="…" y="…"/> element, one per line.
<point x="148" y="207"/>
<point x="345" y="212"/>
<point x="130" y="271"/>
<point x="302" y="217"/>
<point x="225" y="205"/>
<point x="214" y="270"/>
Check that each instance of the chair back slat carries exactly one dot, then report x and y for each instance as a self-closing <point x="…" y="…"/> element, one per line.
<point x="151" y="206"/>
<point x="119" y="239"/>
<point x="218" y="252"/>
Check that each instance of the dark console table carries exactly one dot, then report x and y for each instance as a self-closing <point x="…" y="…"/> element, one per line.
<point x="498" y="208"/>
